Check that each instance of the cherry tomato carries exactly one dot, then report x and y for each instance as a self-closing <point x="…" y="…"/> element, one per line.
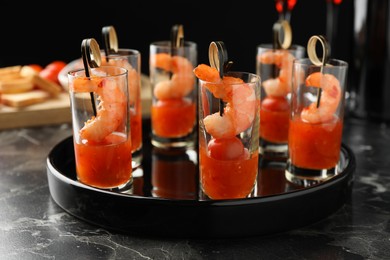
<point x="36" y="67"/>
<point x="226" y="148"/>
<point x="51" y="71"/>
<point x="275" y="104"/>
<point x="49" y="75"/>
<point x="56" y="65"/>
<point x="173" y="117"/>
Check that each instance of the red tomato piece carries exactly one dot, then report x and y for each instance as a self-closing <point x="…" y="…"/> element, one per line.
<point x="51" y="71"/>
<point x="226" y="148"/>
<point x="173" y="117"/>
<point x="36" y="67"/>
<point x="56" y="65"/>
<point x="49" y="75"/>
<point x="275" y="104"/>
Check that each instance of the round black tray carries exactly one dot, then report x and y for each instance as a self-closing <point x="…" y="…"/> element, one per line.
<point x="165" y="200"/>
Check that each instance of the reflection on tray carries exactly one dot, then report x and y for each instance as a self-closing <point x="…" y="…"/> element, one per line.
<point x="271" y="179"/>
<point x="174" y="173"/>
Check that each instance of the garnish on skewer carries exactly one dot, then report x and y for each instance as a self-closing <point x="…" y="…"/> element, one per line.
<point x="312" y="53"/>
<point x="218" y="59"/>
<point x="90" y="53"/>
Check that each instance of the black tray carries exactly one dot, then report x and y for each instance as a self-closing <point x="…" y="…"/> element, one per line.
<point x="165" y="200"/>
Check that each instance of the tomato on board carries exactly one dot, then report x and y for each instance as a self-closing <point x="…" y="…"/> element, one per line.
<point x="275" y="104"/>
<point x="56" y="65"/>
<point x="51" y="71"/>
<point x="36" y="67"/>
<point x="226" y="148"/>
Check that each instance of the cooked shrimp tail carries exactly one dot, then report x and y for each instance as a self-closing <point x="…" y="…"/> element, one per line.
<point x="111" y="110"/>
<point x="281" y="85"/>
<point x="240" y="100"/>
<point x="182" y="80"/>
<point x="330" y="98"/>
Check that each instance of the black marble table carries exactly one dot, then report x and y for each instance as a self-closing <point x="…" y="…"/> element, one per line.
<point x="33" y="226"/>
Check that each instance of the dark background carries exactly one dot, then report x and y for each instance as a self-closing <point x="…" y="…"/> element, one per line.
<point x="38" y="33"/>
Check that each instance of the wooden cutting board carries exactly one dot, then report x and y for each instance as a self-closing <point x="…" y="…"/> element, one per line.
<point x="53" y="111"/>
<point x="57" y="110"/>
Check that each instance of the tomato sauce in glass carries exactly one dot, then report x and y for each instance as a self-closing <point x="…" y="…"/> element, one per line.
<point x="173" y="117"/>
<point x="227" y="179"/>
<point x="315" y="146"/>
<point x="136" y="129"/>
<point x="106" y="164"/>
<point x="274" y="119"/>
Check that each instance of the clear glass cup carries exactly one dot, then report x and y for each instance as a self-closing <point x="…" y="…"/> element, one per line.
<point x="130" y="59"/>
<point x="229" y="136"/>
<point x="101" y="127"/>
<point x="316" y="121"/>
<point x="174" y="100"/>
<point x="274" y="66"/>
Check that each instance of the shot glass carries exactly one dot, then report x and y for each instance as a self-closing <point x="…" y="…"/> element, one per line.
<point x="173" y="111"/>
<point x="316" y="121"/>
<point x="229" y="136"/>
<point x="130" y="59"/>
<point x="101" y="127"/>
<point x="274" y="66"/>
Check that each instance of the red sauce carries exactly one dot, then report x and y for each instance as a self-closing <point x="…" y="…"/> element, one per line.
<point x="105" y="164"/>
<point x="315" y="146"/>
<point x="227" y="179"/>
<point x="173" y="117"/>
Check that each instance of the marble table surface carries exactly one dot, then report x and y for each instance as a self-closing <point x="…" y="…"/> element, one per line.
<point x="33" y="226"/>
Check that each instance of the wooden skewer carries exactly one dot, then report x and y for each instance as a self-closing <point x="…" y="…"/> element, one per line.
<point x="312" y="53"/>
<point x="110" y="40"/>
<point x="218" y="59"/>
<point x="90" y="53"/>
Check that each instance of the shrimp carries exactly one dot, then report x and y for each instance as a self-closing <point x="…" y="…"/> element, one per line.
<point x="330" y="98"/>
<point x="182" y="81"/>
<point x="240" y="99"/>
<point x="279" y="86"/>
<point x="132" y="77"/>
<point x="110" y="111"/>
